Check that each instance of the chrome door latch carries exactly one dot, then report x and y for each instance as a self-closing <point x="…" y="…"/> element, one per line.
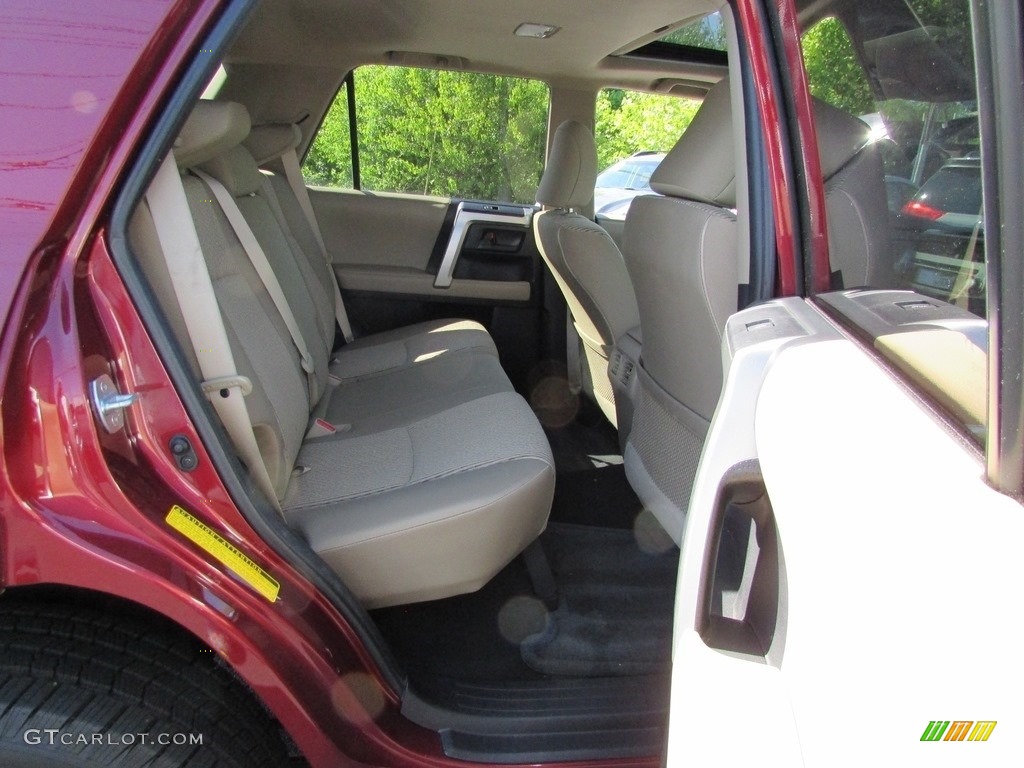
<point x="108" y="403"/>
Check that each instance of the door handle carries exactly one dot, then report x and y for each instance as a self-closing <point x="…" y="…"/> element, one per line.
<point x="743" y="601"/>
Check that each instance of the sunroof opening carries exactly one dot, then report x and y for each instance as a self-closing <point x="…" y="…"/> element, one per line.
<point x="707" y="32"/>
<point x="702" y="40"/>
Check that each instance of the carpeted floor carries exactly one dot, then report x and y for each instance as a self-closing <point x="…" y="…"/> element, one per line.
<point x="614" y="616"/>
<point x="615" y="611"/>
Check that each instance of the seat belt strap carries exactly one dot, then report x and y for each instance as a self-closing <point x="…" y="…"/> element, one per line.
<point x="261" y="264"/>
<point x="298" y="184"/>
<point x="193" y="289"/>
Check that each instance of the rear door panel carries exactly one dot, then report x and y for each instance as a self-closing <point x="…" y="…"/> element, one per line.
<point x="381" y="229"/>
<point x="428" y="247"/>
<point x="402" y="259"/>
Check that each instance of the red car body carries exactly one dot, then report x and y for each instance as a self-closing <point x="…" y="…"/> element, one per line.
<point x="84" y="81"/>
<point x="81" y="82"/>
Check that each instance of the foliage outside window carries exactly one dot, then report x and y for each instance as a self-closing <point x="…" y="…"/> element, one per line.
<point x="467" y="135"/>
<point x="833" y="72"/>
<point x="431" y="132"/>
<point x="706" y="32"/>
<point x="628" y="122"/>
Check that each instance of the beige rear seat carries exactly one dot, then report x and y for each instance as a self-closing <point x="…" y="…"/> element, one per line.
<point x="444" y="362"/>
<point x="444" y="474"/>
<point x="380" y="351"/>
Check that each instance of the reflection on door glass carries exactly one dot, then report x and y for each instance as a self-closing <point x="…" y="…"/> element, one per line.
<point x="908" y="74"/>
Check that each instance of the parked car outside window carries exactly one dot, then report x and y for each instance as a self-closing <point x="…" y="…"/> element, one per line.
<point x="623" y="180"/>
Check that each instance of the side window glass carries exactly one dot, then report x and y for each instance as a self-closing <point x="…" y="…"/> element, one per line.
<point x="328" y="162"/>
<point x="438" y="133"/>
<point x="633" y="132"/>
<point x="908" y="73"/>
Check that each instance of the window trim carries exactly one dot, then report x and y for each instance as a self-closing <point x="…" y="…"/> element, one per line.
<point x="772" y="35"/>
<point x="353" y="127"/>
<point x="998" y="50"/>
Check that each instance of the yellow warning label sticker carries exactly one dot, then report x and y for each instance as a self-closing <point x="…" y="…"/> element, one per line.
<point x="227" y="553"/>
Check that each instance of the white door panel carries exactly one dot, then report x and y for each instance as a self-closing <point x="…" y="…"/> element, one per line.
<point x="898" y="592"/>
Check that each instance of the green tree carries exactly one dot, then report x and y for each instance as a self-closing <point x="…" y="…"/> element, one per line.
<point x="328" y="162"/>
<point x="706" y="32"/>
<point x="833" y="72"/>
<point x="455" y="134"/>
<point x="432" y="132"/>
<point x="628" y="121"/>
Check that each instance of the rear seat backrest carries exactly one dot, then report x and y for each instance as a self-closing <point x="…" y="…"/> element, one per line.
<point x="266" y="143"/>
<point x="278" y="405"/>
<point x="680" y="248"/>
<point x="237" y="171"/>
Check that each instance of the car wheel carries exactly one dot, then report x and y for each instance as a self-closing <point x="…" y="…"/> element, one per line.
<point x="83" y="687"/>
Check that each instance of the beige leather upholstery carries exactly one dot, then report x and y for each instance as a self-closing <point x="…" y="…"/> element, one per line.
<point x="584" y="260"/>
<point x="572" y="161"/>
<point x="437" y="475"/>
<point x="855" y="199"/>
<point x="379" y="352"/>
<point x="681" y="252"/>
<point x="213" y="128"/>
<point x="269" y="141"/>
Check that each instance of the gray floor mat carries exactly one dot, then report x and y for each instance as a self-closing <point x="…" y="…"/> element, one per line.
<point x="615" y="614"/>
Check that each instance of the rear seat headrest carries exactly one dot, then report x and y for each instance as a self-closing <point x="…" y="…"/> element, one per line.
<point x="236" y="170"/>
<point x="840" y="137"/>
<point x="213" y="128"/>
<point x="270" y="141"/>
<point x="571" y="171"/>
<point x="702" y="165"/>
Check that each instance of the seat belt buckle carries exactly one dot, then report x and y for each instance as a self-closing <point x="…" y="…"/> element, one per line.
<point x="324" y="428"/>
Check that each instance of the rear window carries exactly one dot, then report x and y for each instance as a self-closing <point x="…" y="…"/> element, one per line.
<point x="634" y="131"/>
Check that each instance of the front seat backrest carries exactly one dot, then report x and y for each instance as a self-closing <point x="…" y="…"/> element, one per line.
<point x="680" y="249"/>
<point x="582" y="257"/>
<point x="855" y="199"/>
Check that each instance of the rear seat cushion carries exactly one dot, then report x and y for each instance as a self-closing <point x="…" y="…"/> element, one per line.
<point x="429" y="509"/>
<point x="402" y="347"/>
<point x="402" y="395"/>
